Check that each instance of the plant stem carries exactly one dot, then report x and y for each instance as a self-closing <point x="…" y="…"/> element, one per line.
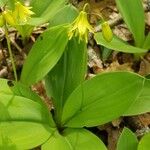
<point x="10" y="52"/>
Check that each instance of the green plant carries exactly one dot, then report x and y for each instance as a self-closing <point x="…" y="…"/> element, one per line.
<point x="42" y="12"/>
<point x="135" y="22"/>
<point x="61" y="60"/>
<point x="129" y="141"/>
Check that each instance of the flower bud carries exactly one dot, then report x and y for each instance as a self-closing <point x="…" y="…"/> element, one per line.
<point x="107" y="32"/>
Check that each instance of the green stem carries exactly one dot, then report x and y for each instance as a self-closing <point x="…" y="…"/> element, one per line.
<point x="10" y="52"/>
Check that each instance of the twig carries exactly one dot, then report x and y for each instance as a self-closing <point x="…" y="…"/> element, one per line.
<point x="116" y="20"/>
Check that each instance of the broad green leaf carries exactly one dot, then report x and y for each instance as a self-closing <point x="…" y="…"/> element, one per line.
<point x="4" y="88"/>
<point x="66" y="15"/>
<point x="9" y="3"/>
<point x="101" y="99"/>
<point x="147" y="42"/>
<point x="45" y="10"/>
<point x="135" y="20"/>
<point x="18" y="89"/>
<point x="57" y="142"/>
<point x="6" y="144"/>
<point x="127" y="140"/>
<point x="106" y="52"/>
<point x="22" y="119"/>
<point x="23" y="134"/>
<point x="22" y="109"/>
<point x="68" y="73"/>
<point x="77" y="139"/>
<point x="41" y="8"/>
<point x="117" y="44"/>
<point x="142" y="102"/>
<point x="44" y="54"/>
<point x="144" y="144"/>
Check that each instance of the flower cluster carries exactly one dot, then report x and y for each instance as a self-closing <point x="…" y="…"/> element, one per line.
<point x="18" y="16"/>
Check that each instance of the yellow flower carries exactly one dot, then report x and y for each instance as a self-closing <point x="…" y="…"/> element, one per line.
<point x="21" y="13"/>
<point x="80" y="27"/>
<point x="107" y="32"/>
<point x="18" y="16"/>
<point x="9" y="17"/>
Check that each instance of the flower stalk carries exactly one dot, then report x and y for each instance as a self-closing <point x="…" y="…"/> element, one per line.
<point x="10" y="53"/>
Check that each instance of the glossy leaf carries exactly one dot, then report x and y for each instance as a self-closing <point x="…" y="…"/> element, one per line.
<point x="79" y="139"/>
<point x="9" y="3"/>
<point x="18" y="89"/>
<point x="144" y="144"/>
<point x="68" y="73"/>
<point x="66" y="15"/>
<point x="40" y="7"/>
<point x="142" y="102"/>
<point x="101" y="99"/>
<point x="4" y="88"/>
<point x="45" y="10"/>
<point x="147" y="42"/>
<point x="117" y="44"/>
<point x="24" y="135"/>
<point x="135" y="20"/>
<point x="127" y="140"/>
<point x="22" y="120"/>
<point x="44" y="54"/>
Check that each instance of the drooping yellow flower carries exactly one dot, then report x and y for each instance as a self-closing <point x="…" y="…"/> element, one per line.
<point x="8" y="16"/>
<point x="80" y="27"/>
<point x="21" y="13"/>
<point x="18" y="16"/>
<point x="107" y="32"/>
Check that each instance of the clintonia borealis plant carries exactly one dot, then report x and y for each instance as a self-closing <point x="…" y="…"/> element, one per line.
<point x="59" y="56"/>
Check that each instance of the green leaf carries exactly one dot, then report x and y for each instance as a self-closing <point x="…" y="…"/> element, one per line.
<point x="9" y="3"/>
<point x="24" y="135"/>
<point x="41" y="8"/>
<point x="44" y="54"/>
<point x="22" y="120"/>
<point x="68" y="73"/>
<point x="4" y="88"/>
<point x="66" y="15"/>
<point x="57" y="142"/>
<point x="144" y="144"/>
<point x="142" y="102"/>
<point x="18" y="89"/>
<point x="106" y="52"/>
<point x="101" y="99"/>
<point x="147" y="42"/>
<point x="45" y="10"/>
<point x="6" y="144"/>
<point x="79" y="139"/>
<point x="135" y="20"/>
<point x="127" y="140"/>
<point x="117" y="44"/>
